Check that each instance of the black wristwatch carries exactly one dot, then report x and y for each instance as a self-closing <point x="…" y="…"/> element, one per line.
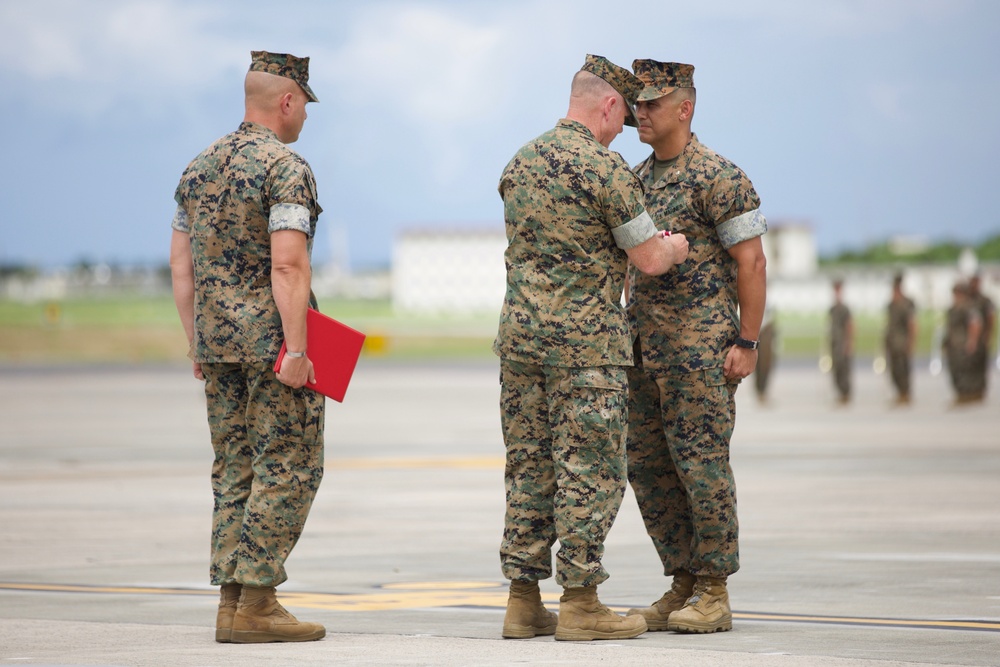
<point x="748" y="344"/>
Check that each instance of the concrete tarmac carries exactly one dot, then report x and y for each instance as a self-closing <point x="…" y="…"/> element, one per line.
<point x="870" y="535"/>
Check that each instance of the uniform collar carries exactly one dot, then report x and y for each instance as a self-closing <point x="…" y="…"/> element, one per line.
<point x="675" y="173"/>
<point x="257" y="128"/>
<point x="576" y="126"/>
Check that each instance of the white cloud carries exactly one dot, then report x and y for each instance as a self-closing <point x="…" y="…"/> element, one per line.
<point x="101" y="53"/>
<point x="41" y="40"/>
<point x="418" y="76"/>
<point x="809" y="20"/>
<point x="423" y="63"/>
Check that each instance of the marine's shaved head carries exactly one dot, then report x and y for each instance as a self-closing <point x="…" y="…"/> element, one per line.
<point x="264" y="90"/>
<point x="595" y="103"/>
<point x="275" y="102"/>
<point x="588" y="86"/>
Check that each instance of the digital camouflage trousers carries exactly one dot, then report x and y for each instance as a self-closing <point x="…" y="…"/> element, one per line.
<point x="268" y="442"/>
<point x="678" y="466"/>
<point x="564" y="432"/>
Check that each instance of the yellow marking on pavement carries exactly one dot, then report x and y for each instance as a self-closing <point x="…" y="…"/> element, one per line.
<point x="390" y="600"/>
<point x="422" y="595"/>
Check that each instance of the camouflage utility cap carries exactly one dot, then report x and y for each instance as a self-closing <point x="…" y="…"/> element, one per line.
<point x="286" y="65"/>
<point x="620" y="79"/>
<point x="662" y="79"/>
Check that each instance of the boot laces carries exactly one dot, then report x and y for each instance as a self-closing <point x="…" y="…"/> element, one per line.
<point x="676" y="592"/>
<point x="281" y="612"/>
<point x="700" y="590"/>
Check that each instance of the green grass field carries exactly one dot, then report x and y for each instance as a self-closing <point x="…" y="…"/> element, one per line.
<point x="803" y="336"/>
<point x="143" y="329"/>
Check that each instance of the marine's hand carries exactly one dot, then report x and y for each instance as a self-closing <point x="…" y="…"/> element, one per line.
<point x="296" y="371"/>
<point x="196" y="368"/>
<point x="679" y="244"/>
<point x="740" y="363"/>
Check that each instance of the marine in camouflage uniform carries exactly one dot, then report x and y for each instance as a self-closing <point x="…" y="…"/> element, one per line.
<point x="692" y="346"/>
<point x="980" y="363"/>
<point x="243" y="229"/>
<point x="841" y="343"/>
<point x="573" y="213"/>
<point x="900" y="336"/>
<point x="963" y="330"/>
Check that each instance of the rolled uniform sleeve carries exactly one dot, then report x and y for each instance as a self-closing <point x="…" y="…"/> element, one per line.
<point x="734" y="205"/>
<point x="631" y="225"/>
<point x="289" y="216"/>
<point x="291" y="197"/>
<point x="743" y="227"/>
<point x="180" y="221"/>
<point x="634" y="232"/>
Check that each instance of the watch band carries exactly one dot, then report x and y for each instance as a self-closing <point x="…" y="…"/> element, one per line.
<point x="745" y="343"/>
<point x="295" y="355"/>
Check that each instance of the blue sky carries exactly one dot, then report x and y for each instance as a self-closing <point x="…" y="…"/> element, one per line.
<point x="864" y="118"/>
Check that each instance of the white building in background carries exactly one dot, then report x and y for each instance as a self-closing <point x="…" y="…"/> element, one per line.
<point x="449" y="271"/>
<point x="790" y="248"/>
<point x="443" y="271"/>
<point x="440" y="270"/>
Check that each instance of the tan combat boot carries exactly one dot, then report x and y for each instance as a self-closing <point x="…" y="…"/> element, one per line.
<point x="582" y="617"/>
<point x="526" y="616"/>
<point x="656" y="615"/>
<point x="259" y="619"/>
<point x="707" y="610"/>
<point x="229" y="596"/>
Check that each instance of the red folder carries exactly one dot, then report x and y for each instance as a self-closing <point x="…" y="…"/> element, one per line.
<point x="334" y="349"/>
